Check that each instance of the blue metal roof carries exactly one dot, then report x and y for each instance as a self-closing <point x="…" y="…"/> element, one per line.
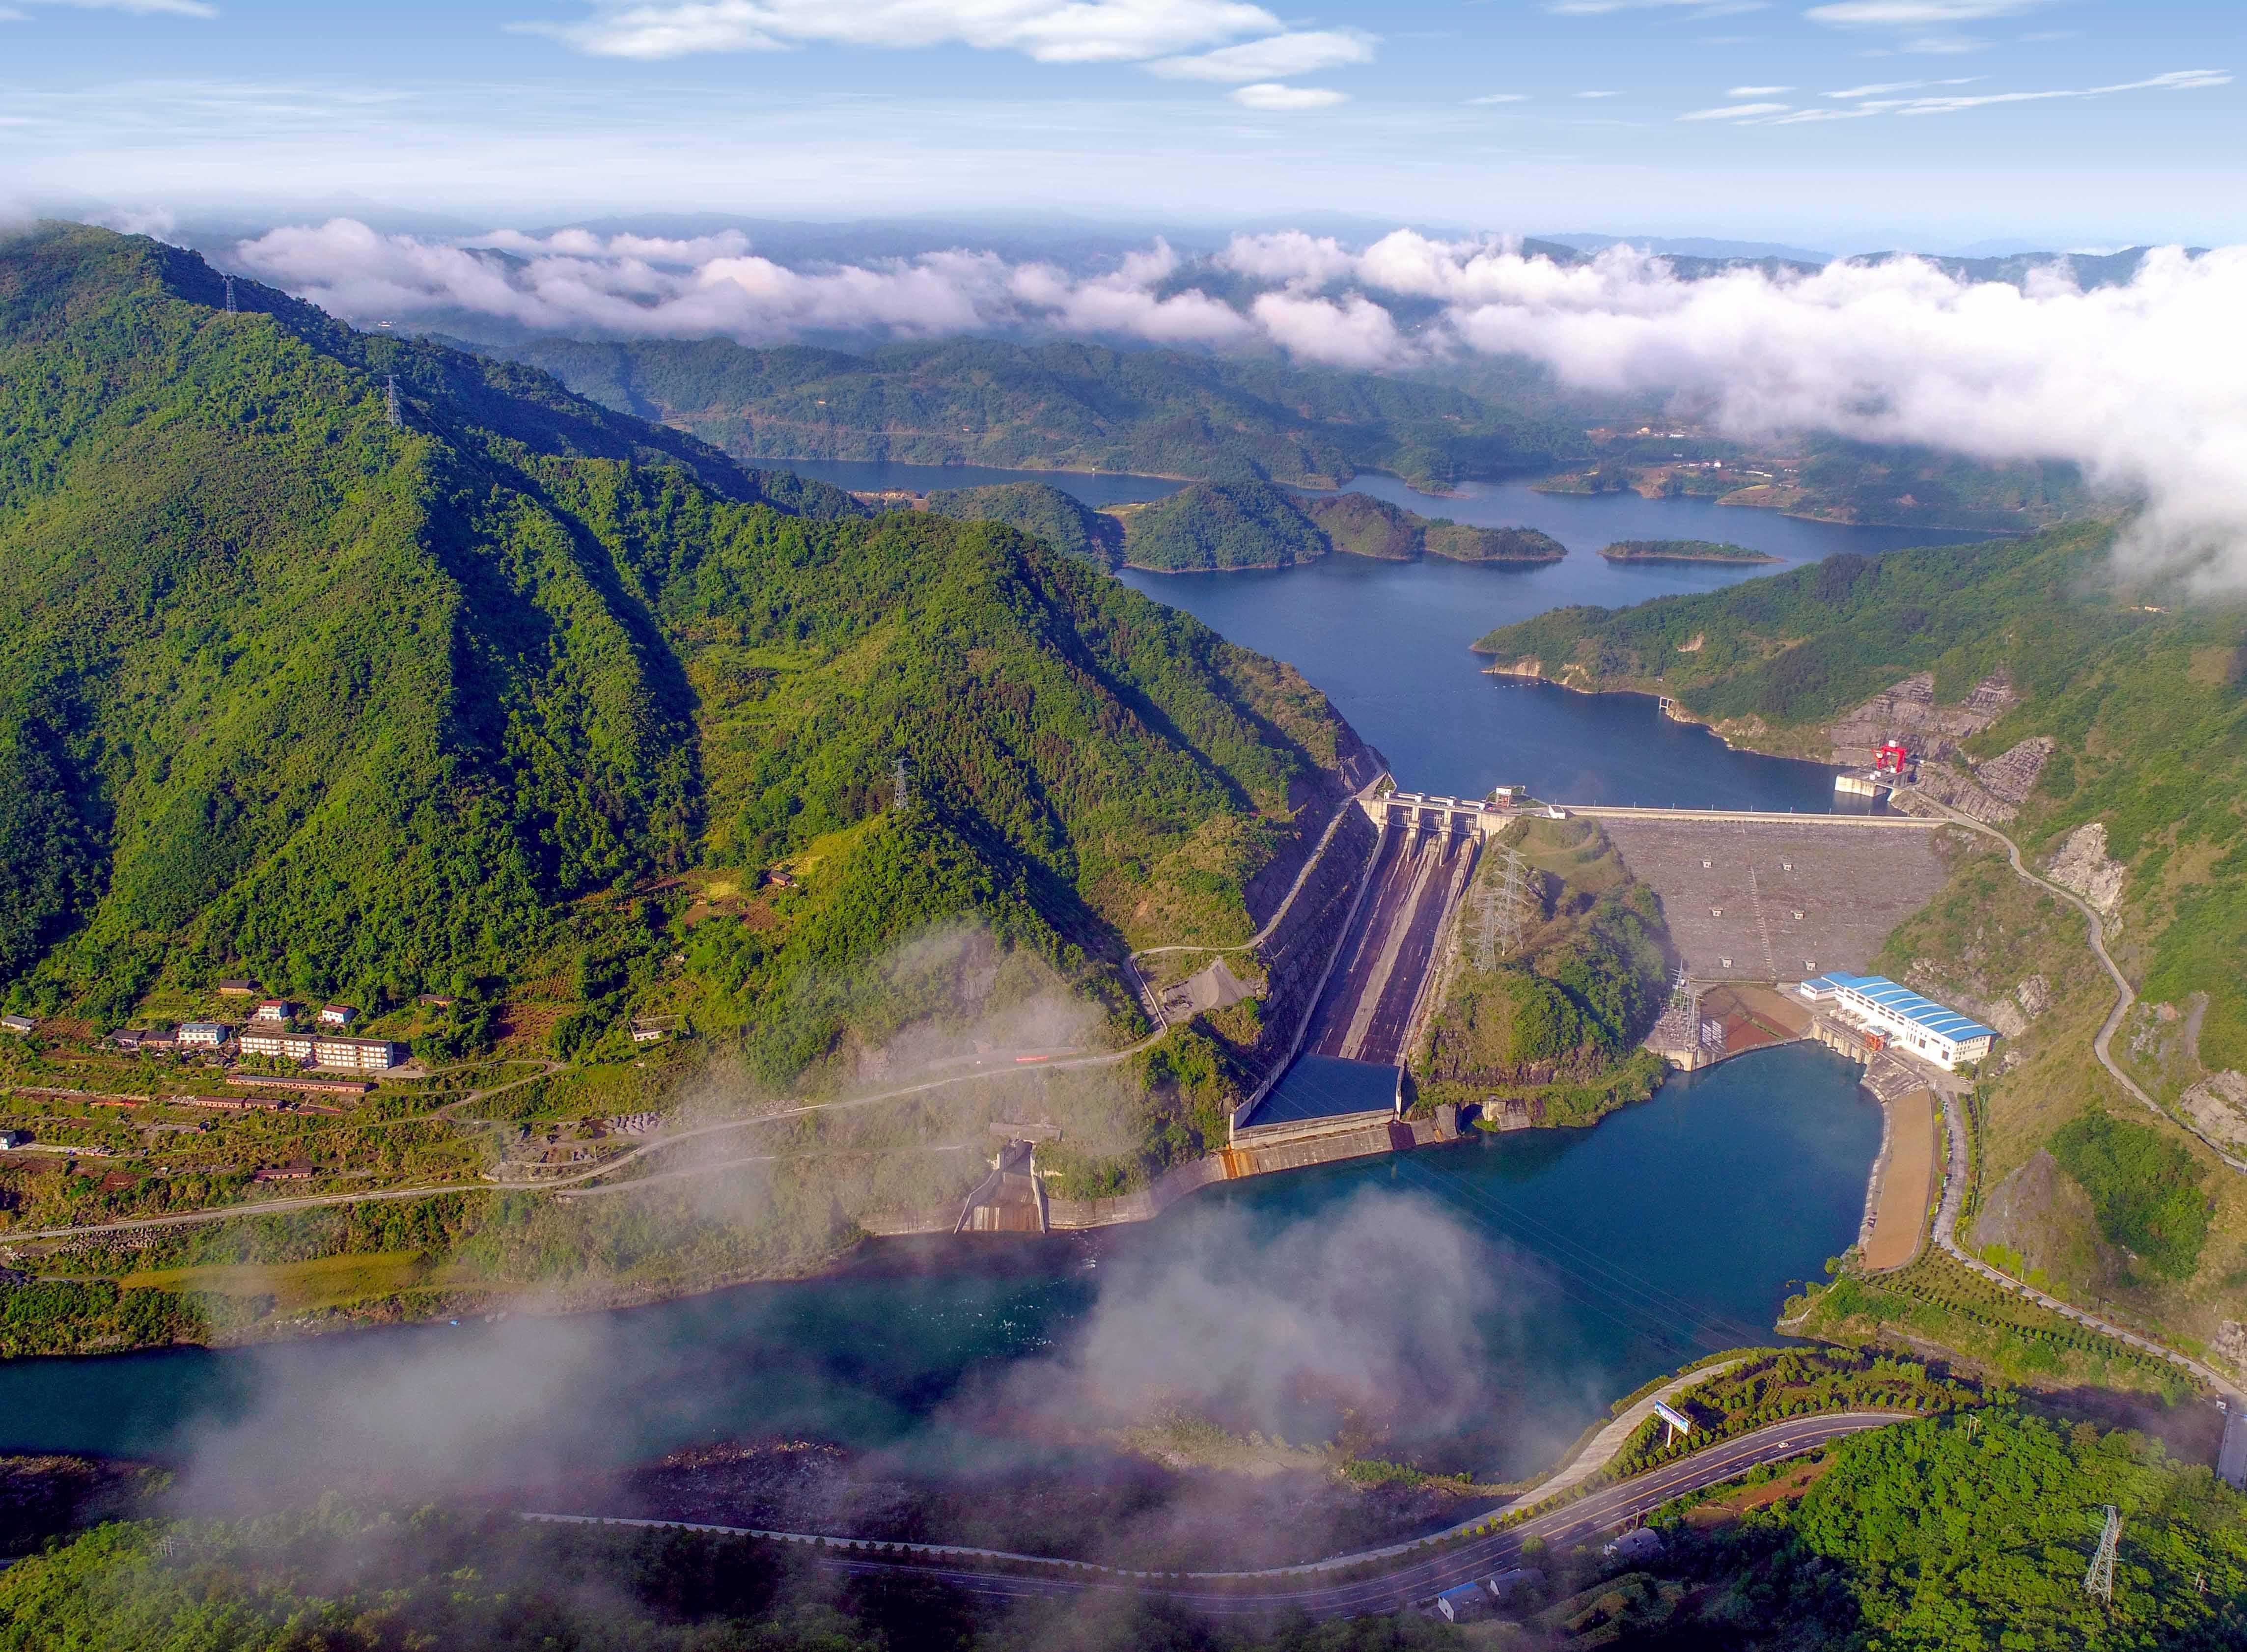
<point x="1924" y="1012"/>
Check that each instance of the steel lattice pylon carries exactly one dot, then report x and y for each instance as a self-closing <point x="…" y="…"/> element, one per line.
<point x="1497" y="917"/>
<point x="901" y="777"/>
<point x="2100" y="1579"/>
<point x="393" y="408"/>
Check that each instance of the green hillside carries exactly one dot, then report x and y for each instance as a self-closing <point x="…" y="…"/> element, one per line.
<point x="1556" y="1024"/>
<point x="2144" y="691"/>
<point x="1063" y="521"/>
<point x="1241" y="522"/>
<point x="1461" y="542"/>
<point x="368" y="711"/>
<point x="1063" y="407"/>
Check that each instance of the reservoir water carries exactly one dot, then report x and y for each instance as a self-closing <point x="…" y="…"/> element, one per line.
<point x="1389" y="642"/>
<point x="1477" y="1306"/>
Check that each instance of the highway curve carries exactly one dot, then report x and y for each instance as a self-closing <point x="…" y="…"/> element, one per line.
<point x="1411" y="1580"/>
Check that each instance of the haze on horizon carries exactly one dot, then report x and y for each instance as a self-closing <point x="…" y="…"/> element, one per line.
<point x="1843" y="126"/>
<point x="412" y="164"/>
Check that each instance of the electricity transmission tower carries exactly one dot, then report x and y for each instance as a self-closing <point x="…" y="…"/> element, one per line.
<point x="2100" y="1579"/>
<point x="230" y="309"/>
<point x="393" y="408"/>
<point x="1498" y="918"/>
<point x="901" y="779"/>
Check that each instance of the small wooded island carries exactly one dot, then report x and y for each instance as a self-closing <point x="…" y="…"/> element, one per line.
<point x="1248" y="522"/>
<point x="1683" y="550"/>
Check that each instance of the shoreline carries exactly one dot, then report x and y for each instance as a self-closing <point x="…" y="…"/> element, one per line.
<point x="1539" y="677"/>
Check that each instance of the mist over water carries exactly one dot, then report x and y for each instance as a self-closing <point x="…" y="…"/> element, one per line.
<point x="1475" y="1307"/>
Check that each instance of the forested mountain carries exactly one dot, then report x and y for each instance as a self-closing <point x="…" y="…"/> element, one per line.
<point x="355" y="706"/>
<point x="1060" y="519"/>
<point x="1061" y="406"/>
<point x="2142" y="694"/>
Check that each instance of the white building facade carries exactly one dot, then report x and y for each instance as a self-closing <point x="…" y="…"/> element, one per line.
<point x="1912" y="1023"/>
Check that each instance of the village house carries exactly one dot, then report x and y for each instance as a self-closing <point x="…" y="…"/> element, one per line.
<point x="17" y="1023"/>
<point x="337" y="1015"/>
<point x="204" y="1035"/>
<point x="273" y="1009"/>
<point x="237" y="988"/>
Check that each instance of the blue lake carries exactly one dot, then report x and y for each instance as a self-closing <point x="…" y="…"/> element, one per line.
<point x="1389" y="642"/>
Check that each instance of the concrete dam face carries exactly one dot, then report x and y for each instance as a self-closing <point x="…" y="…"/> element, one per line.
<point x="1419" y="870"/>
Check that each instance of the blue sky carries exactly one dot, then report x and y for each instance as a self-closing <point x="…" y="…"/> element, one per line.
<point x="1845" y="124"/>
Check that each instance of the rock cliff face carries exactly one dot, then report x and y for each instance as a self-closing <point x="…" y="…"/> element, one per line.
<point x="1908" y="712"/>
<point x="2217" y="1107"/>
<point x="2082" y="865"/>
<point x="1993" y="791"/>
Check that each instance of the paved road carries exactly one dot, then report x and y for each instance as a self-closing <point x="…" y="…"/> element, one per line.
<point x="1410" y="1581"/>
<point x="2126" y="994"/>
<point x="1343" y="811"/>
<point x="661" y="1143"/>
<point x="1613" y="811"/>
<point x="1946" y="1224"/>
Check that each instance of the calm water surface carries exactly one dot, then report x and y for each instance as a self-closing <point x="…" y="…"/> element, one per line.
<point x="1595" y="1259"/>
<point x="1389" y="642"/>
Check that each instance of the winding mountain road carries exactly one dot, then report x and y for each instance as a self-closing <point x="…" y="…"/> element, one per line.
<point x="2126" y="996"/>
<point x="1409" y="1581"/>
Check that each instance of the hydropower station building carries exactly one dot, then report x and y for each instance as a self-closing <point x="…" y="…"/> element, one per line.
<point x="1902" y="1017"/>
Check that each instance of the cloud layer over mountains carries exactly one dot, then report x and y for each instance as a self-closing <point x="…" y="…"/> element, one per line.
<point x="2143" y="385"/>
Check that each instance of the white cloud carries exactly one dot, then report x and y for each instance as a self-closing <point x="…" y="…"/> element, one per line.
<point x="1049" y="31"/>
<point x="1943" y="45"/>
<point x="1901" y="86"/>
<point x="1302" y="51"/>
<point x="1599" y="94"/>
<point x="1756" y="91"/>
<point x="1737" y="112"/>
<point x="1270" y="94"/>
<point x="1501" y="96"/>
<point x="1913" y="14"/>
<point x="1868" y="106"/>
<point x="2139" y="384"/>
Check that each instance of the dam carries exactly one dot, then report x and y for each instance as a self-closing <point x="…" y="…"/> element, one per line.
<point x="1748" y="896"/>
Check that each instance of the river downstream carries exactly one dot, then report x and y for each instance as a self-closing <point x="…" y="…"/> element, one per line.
<point x="1477" y="1306"/>
<point x="1474" y="1306"/>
